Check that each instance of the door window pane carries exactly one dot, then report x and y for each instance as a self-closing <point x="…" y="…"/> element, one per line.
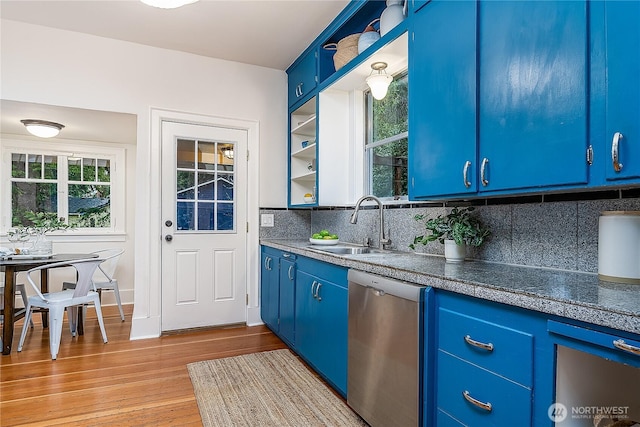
<point x="225" y="216"/>
<point x="205" y="186"/>
<point x="185" y="216"/>
<point x="185" y="185"/>
<point x="206" y="155"/>
<point x="225" y="186"/>
<point x="206" y="216"/>
<point x="186" y="153"/>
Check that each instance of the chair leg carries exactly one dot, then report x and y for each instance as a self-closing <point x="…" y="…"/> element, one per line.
<point x="116" y="291"/>
<point x="25" y="301"/>
<point x="56" y="316"/>
<point x="72" y="314"/>
<point x="100" y="321"/>
<point x="27" y="319"/>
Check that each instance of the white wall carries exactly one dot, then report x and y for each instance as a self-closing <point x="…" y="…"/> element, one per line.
<point x="55" y="67"/>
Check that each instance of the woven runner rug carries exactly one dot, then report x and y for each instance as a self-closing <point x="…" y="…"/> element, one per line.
<point x="271" y="388"/>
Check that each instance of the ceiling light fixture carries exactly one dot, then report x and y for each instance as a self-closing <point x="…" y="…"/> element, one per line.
<point x="227" y="152"/>
<point x="42" y="128"/>
<point x="167" y="4"/>
<point x="379" y="82"/>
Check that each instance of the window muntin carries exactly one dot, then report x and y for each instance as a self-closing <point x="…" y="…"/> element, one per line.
<point x="386" y="146"/>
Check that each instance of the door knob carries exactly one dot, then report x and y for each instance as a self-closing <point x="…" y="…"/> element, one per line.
<point x="168" y="237"/>
<point x="168" y="223"/>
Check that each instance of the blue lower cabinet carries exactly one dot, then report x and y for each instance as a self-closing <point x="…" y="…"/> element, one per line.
<point x="286" y="301"/>
<point x="270" y="288"/>
<point x="321" y="319"/>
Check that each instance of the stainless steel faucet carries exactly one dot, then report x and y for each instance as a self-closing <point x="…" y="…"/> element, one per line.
<point x="384" y="240"/>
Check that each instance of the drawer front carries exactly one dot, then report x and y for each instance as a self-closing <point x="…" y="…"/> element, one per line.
<point x="510" y="402"/>
<point x="497" y="348"/>
<point x="445" y="420"/>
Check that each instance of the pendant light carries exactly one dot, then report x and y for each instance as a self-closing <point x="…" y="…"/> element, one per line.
<point x="42" y="128"/>
<point x="379" y="82"/>
<point x="167" y="4"/>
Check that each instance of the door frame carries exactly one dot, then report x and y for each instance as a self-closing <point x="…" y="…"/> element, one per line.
<point x="148" y="243"/>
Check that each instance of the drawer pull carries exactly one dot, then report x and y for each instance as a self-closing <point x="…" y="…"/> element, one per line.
<point x="486" y="406"/>
<point x="627" y="347"/>
<point x="488" y="347"/>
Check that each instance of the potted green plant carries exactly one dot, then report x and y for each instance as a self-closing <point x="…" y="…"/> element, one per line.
<point x="455" y="230"/>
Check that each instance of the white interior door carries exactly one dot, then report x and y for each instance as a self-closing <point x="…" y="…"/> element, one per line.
<point x="204" y="204"/>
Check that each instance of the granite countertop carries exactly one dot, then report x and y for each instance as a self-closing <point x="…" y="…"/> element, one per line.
<point x="575" y="295"/>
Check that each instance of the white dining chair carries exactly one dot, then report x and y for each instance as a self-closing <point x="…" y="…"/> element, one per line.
<point x="70" y="299"/>
<point x="103" y="278"/>
<point x="19" y="289"/>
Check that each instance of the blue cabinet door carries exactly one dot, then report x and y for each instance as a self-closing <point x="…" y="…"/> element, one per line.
<point x="623" y="89"/>
<point x="287" y="299"/>
<point x="532" y="94"/>
<point x="302" y="77"/>
<point x="270" y="290"/>
<point x="442" y="96"/>
<point x="321" y="326"/>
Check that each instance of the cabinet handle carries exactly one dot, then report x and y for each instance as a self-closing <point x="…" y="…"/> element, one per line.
<point x="289" y="272"/>
<point x="313" y="291"/>
<point x="483" y="172"/>
<point x="318" y="297"/>
<point x="465" y="174"/>
<point x="620" y="344"/>
<point x="266" y="263"/>
<point x="470" y="341"/>
<point x="615" y="153"/>
<point x="486" y="406"/>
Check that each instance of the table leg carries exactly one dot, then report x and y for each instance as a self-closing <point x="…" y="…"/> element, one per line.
<point x="9" y="301"/>
<point x="44" y="288"/>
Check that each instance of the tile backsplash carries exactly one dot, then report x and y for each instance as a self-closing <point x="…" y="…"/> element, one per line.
<point x="561" y="235"/>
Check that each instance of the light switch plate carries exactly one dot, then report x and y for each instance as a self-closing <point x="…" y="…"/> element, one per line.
<point x="266" y="220"/>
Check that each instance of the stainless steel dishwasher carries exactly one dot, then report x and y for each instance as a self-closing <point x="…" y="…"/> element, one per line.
<point x="383" y="377"/>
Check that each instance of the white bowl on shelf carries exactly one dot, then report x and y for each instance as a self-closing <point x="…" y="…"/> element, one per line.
<point x="324" y="242"/>
<point x="308" y="199"/>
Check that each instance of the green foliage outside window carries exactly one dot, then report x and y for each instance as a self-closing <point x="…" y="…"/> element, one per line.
<point x="389" y="119"/>
<point x="35" y="191"/>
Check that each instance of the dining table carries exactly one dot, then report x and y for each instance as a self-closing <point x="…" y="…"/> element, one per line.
<point x="13" y="264"/>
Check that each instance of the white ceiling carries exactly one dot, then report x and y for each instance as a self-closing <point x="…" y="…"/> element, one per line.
<point x="267" y="33"/>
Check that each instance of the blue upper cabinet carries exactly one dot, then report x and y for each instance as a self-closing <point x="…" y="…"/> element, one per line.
<point x="442" y="99"/>
<point x="532" y="94"/>
<point x="622" y="138"/>
<point x="303" y="77"/>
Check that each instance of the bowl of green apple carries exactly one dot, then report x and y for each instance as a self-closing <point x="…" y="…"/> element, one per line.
<point x="324" y="237"/>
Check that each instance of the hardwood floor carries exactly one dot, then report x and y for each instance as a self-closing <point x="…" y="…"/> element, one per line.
<point x="121" y="383"/>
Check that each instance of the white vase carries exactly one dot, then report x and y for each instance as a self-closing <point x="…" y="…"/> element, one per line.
<point x="454" y="252"/>
<point x="392" y="15"/>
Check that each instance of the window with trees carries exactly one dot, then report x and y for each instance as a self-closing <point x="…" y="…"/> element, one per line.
<point x="76" y="187"/>
<point x="386" y="146"/>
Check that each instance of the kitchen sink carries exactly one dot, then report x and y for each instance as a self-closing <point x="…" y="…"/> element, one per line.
<point x="347" y="250"/>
